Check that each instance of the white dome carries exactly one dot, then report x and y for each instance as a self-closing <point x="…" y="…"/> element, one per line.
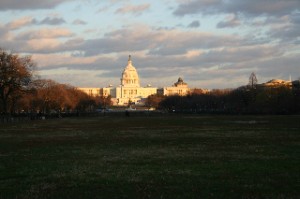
<point x="130" y="76"/>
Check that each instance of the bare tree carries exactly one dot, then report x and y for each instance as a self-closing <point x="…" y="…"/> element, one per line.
<point x="153" y="101"/>
<point x="50" y="96"/>
<point x="103" y="101"/>
<point x="252" y="80"/>
<point x="15" y="76"/>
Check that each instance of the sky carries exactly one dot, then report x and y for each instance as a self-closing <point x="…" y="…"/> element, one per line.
<point x="209" y="43"/>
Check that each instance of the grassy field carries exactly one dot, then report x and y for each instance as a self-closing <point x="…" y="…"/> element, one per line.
<point x="187" y="156"/>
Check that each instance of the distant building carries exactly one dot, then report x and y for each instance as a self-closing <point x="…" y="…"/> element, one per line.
<point x="130" y="90"/>
<point x="94" y="92"/>
<point x="179" y="88"/>
<point x="275" y="83"/>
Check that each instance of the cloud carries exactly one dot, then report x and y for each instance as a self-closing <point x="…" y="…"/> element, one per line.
<point x="44" y="33"/>
<point x="285" y="29"/>
<point x="52" y="21"/>
<point x="71" y="77"/>
<point x="194" y="24"/>
<point x="234" y="57"/>
<point x="29" y="4"/>
<point x="133" y="9"/>
<point x="53" y="60"/>
<point x="119" y="40"/>
<point x="156" y="42"/>
<point x="208" y="47"/>
<point x="4" y="36"/>
<point x="272" y="68"/>
<point x="39" y="45"/>
<point x="137" y="38"/>
<point x="267" y="7"/>
<point x="79" y="22"/>
<point x="295" y="18"/>
<point x="21" y="22"/>
<point x="241" y="54"/>
<point x="196" y="7"/>
<point x="28" y="21"/>
<point x="246" y="7"/>
<point x="103" y="9"/>
<point x="277" y="19"/>
<point x="230" y="22"/>
<point x="186" y="41"/>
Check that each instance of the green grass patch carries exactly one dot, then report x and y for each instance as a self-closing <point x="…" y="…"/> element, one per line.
<point x="185" y="156"/>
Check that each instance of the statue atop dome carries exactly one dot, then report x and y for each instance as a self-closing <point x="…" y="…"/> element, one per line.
<point x="129" y="60"/>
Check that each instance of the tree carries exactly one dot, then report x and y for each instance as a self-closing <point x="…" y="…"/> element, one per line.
<point x="104" y="101"/>
<point x="16" y="73"/>
<point x="252" y="80"/>
<point x="49" y="96"/>
<point x="174" y="103"/>
<point x="154" y="100"/>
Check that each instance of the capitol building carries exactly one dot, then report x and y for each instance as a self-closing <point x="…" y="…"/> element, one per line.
<point x="130" y="90"/>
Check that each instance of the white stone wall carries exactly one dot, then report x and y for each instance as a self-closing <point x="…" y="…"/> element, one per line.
<point x="182" y="91"/>
<point x="91" y="91"/>
<point x="133" y="94"/>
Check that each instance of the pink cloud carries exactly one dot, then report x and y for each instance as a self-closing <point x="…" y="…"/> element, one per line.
<point x="134" y="9"/>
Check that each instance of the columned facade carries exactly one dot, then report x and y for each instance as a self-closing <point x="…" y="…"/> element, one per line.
<point x="129" y="90"/>
<point x="179" y="88"/>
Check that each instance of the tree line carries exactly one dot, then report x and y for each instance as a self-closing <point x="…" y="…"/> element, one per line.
<point x="243" y="100"/>
<point x="22" y="91"/>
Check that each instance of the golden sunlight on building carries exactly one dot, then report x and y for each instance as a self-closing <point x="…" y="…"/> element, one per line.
<point x="130" y="91"/>
<point x="179" y="88"/>
<point x="94" y="92"/>
<point x="274" y="83"/>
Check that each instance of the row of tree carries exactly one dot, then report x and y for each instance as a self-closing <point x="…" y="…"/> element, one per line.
<point x="243" y="100"/>
<point x="22" y="91"/>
